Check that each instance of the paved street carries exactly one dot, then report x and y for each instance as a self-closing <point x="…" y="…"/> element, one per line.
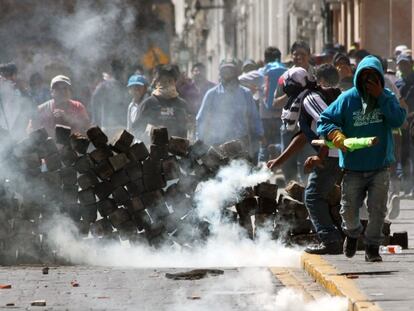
<point x="139" y="289"/>
<point x="390" y="283"/>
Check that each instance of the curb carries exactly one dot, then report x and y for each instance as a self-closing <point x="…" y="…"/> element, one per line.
<point x="335" y="284"/>
<point x="290" y="277"/>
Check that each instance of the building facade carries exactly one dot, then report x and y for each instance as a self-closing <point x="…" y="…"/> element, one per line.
<point x="211" y="30"/>
<point x="378" y="25"/>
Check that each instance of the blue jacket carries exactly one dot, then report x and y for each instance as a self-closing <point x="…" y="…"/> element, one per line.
<point x="347" y="115"/>
<point x="227" y="114"/>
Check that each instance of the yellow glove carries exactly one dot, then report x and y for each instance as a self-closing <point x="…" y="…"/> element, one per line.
<point x="337" y="138"/>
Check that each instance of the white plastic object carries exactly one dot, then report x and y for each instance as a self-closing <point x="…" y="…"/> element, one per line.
<point x="390" y="249"/>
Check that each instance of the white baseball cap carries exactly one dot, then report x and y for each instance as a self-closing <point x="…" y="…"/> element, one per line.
<point x="400" y="48"/>
<point x="60" y="78"/>
<point x="298" y="75"/>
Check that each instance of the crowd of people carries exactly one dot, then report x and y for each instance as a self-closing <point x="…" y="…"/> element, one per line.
<point x="276" y="109"/>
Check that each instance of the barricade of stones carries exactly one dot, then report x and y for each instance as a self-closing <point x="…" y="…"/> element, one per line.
<point x="146" y="194"/>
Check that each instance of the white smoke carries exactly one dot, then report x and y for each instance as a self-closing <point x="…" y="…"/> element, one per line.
<point x="226" y="187"/>
<point x="226" y="249"/>
<point x="90" y="33"/>
<point x="228" y="245"/>
<point x="252" y="289"/>
<point x="289" y="300"/>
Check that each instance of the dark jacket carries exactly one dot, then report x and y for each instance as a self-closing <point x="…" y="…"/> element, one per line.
<point x="406" y="87"/>
<point x="170" y="113"/>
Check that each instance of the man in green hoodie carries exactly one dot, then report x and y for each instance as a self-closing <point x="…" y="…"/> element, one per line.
<point x="368" y="109"/>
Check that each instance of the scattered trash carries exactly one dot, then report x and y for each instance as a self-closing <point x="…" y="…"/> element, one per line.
<point x="5" y="286"/>
<point x="376" y="294"/>
<point x="194" y="297"/>
<point x="390" y="249"/>
<point x="74" y="284"/>
<point x="38" y="303"/>
<point x="154" y="275"/>
<point x="45" y="270"/>
<point x="196" y="274"/>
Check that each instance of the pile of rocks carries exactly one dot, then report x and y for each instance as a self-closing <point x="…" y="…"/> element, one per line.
<point x="111" y="189"/>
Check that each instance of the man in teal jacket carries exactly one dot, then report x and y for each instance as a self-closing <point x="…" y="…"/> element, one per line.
<point x="366" y="110"/>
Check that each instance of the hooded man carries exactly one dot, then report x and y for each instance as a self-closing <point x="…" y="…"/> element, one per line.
<point x="366" y="110"/>
<point x="229" y="112"/>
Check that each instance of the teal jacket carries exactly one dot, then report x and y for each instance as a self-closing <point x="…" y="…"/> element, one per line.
<point x="347" y="115"/>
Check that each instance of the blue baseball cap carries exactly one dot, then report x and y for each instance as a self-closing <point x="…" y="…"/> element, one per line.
<point x="137" y="80"/>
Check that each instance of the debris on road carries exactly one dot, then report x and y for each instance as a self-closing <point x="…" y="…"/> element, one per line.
<point x="5" y="286"/>
<point x="74" y="284"/>
<point x="38" y="303"/>
<point x="45" y="270"/>
<point x="196" y="274"/>
<point x="194" y="297"/>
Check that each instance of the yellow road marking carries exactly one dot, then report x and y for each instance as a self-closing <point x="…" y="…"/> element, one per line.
<point x="335" y="284"/>
<point x="289" y="277"/>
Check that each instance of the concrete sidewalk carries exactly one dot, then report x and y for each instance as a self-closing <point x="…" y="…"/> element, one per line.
<point x="371" y="286"/>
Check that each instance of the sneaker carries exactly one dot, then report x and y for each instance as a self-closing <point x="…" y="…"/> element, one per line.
<point x="394" y="207"/>
<point x="372" y="254"/>
<point x="350" y="246"/>
<point x="324" y="249"/>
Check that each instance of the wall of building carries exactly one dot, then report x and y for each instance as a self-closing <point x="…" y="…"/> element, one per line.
<point x="244" y="28"/>
<point x="379" y="25"/>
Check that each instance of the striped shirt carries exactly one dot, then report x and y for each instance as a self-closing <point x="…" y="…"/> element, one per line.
<point x="313" y="105"/>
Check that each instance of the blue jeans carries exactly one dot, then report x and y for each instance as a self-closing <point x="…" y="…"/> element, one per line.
<point x="320" y="182"/>
<point x="356" y="186"/>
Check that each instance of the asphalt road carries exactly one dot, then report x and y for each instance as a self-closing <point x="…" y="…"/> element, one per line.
<point x="102" y="288"/>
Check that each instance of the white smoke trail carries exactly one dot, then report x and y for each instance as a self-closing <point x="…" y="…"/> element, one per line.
<point x="228" y="248"/>
<point x="289" y="300"/>
<point x="226" y="187"/>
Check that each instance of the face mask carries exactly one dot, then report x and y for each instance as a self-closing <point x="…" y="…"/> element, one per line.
<point x="292" y="88"/>
<point x="165" y="89"/>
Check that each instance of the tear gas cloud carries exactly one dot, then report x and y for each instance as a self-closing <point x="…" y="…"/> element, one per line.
<point x="74" y="37"/>
<point x="228" y="246"/>
<point x="227" y="187"/>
